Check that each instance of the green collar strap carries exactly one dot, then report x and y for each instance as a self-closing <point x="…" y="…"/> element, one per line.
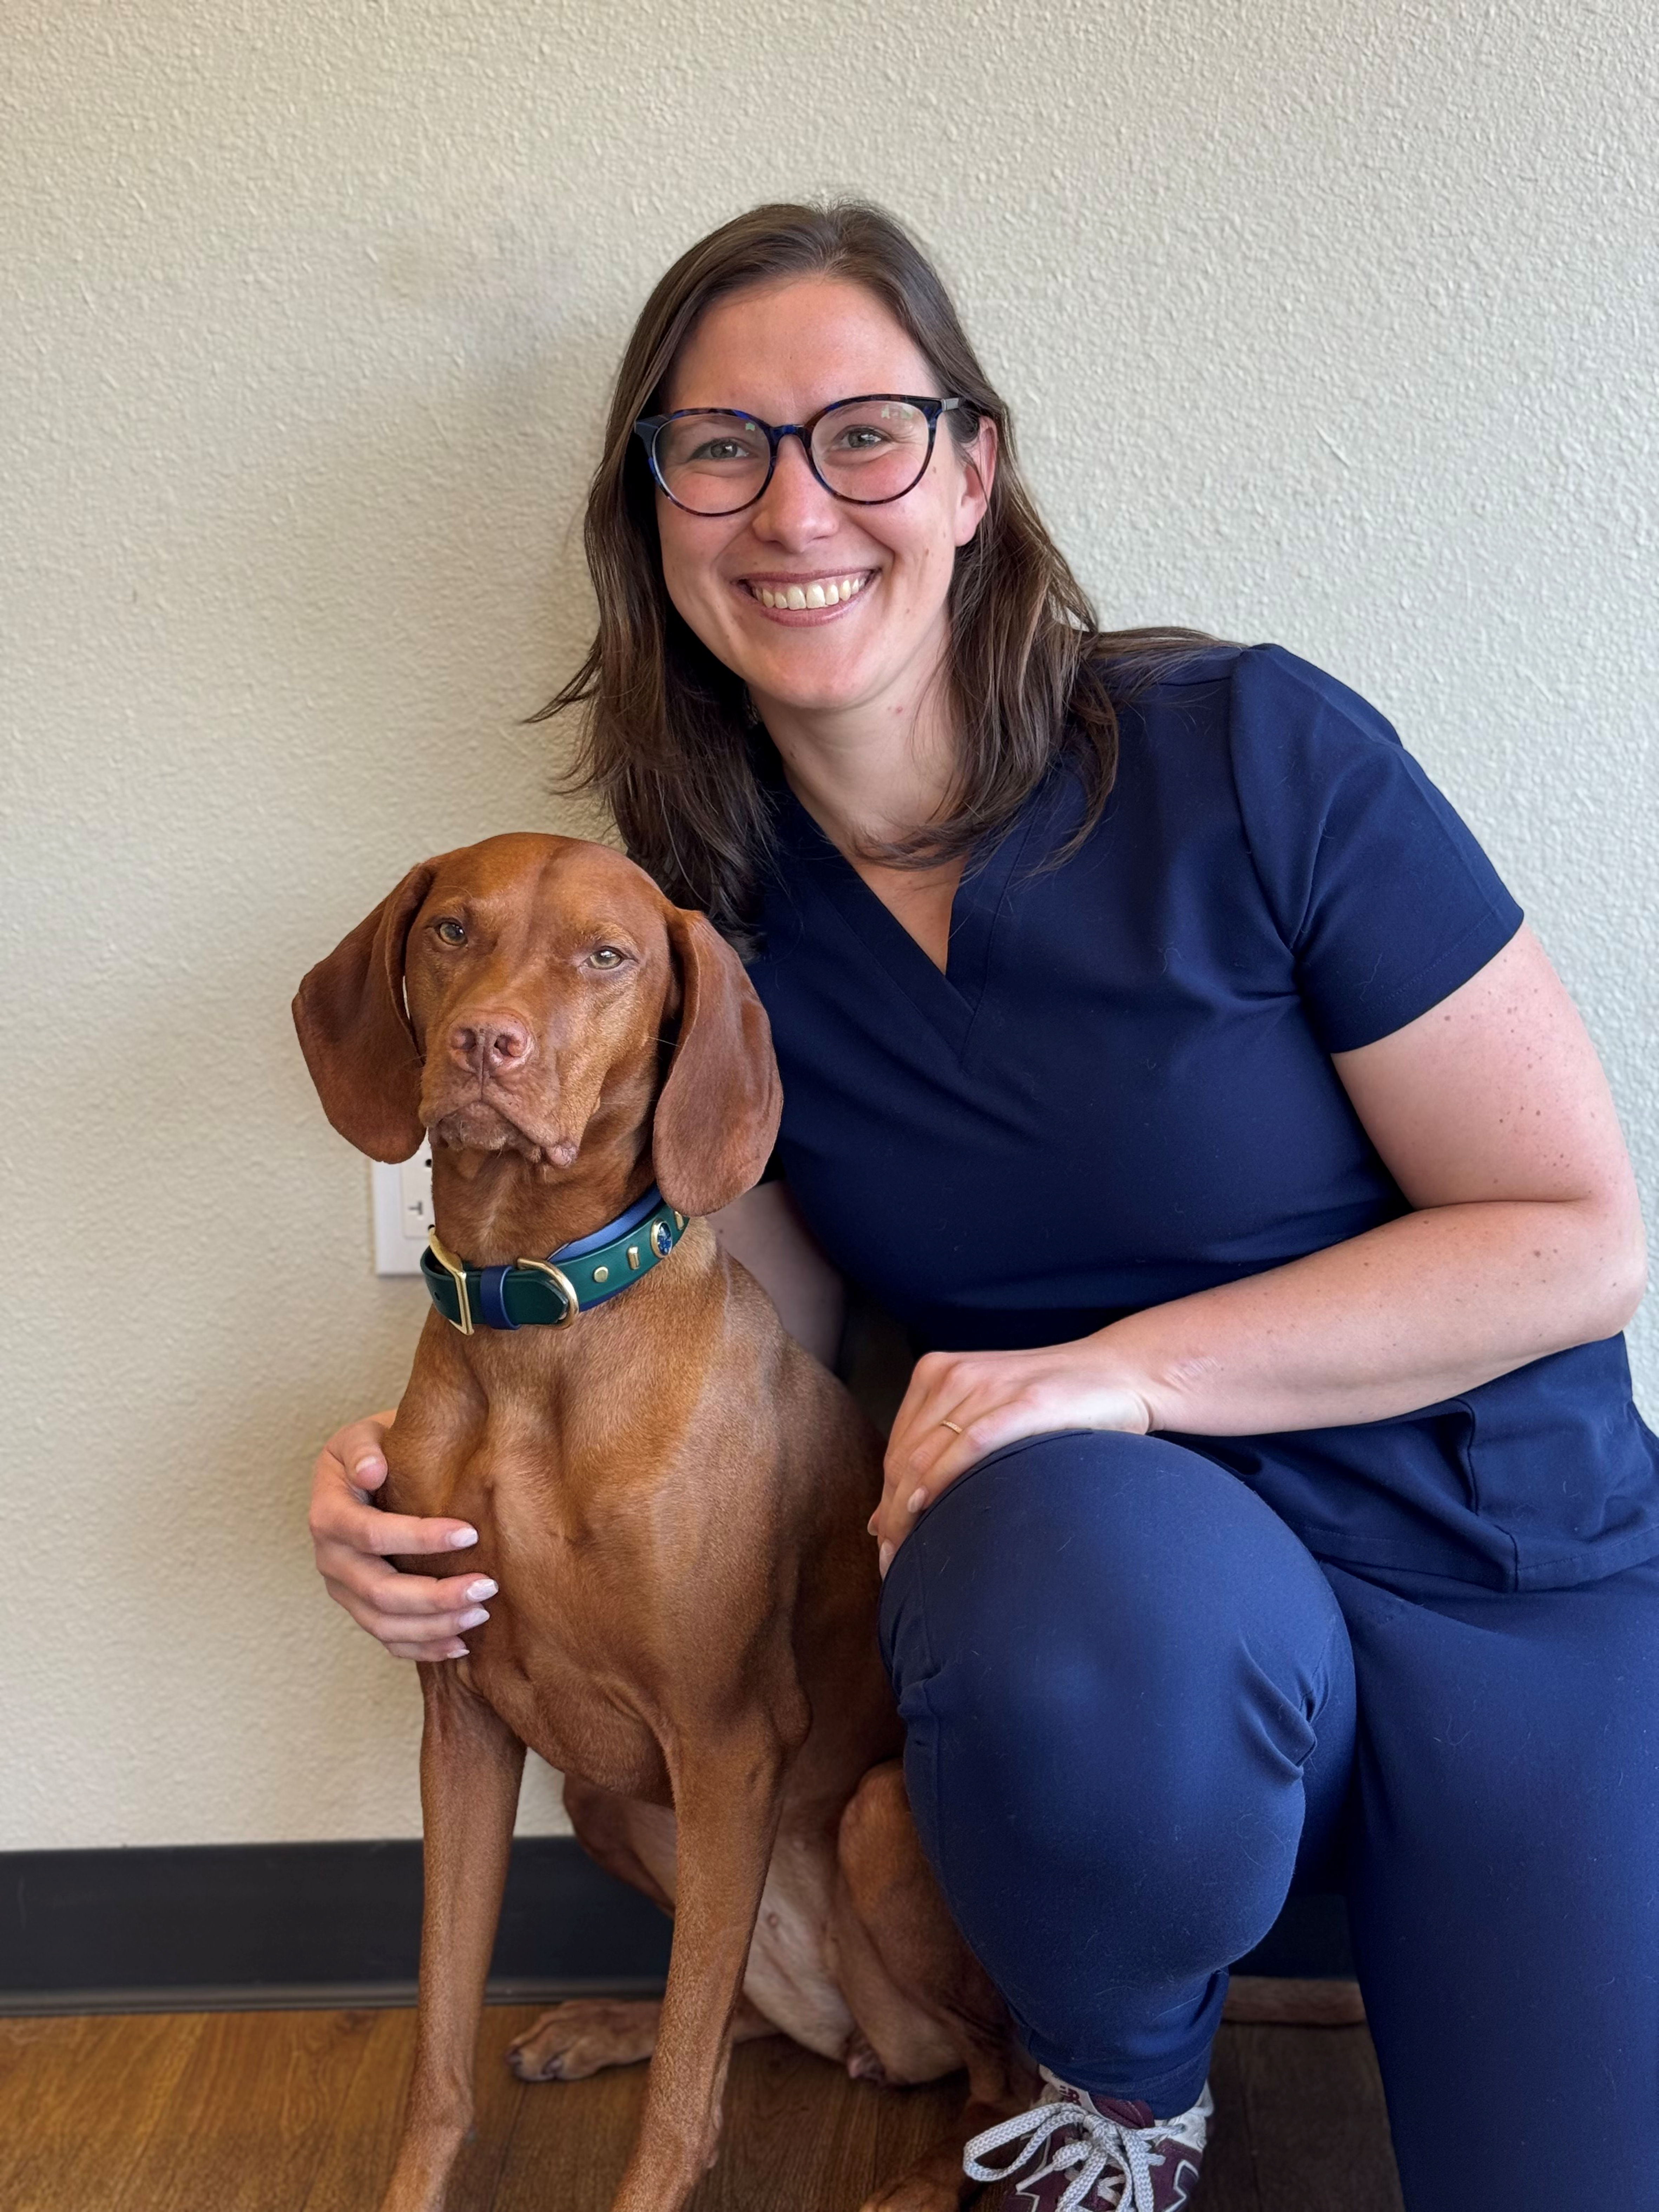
<point x="549" y="1293"/>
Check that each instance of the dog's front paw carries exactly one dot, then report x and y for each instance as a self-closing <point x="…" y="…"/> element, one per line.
<point x="585" y="2036"/>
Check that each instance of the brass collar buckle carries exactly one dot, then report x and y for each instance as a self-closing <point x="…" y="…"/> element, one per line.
<point x="563" y="1284"/>
<point x="457" y="1273"/>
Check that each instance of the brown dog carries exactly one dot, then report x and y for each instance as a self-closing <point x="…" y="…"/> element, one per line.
<point x="673" y="1496"/>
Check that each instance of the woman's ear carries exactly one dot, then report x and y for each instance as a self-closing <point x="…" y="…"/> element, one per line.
<point x="979" y="473"/>
<point x="717" y="1115"/>
<point x="355" y="1034"/>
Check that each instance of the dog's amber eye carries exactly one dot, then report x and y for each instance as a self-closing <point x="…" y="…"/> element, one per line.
<point x="450" y="930"/>
<point x="606" y="955"/>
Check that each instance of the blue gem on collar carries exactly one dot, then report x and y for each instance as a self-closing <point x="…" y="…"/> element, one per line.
<point x="662" y="1239"/>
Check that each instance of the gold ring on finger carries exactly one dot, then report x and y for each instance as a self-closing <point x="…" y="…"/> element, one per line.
<point x="952" y="1427"/>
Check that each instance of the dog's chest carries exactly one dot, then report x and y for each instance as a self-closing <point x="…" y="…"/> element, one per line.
<point x="565" y="1716"/>
<point x="565" y="1656"/>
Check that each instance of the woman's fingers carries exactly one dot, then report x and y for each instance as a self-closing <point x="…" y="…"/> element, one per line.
<point x="376" y="1585"/>
<point x="364" y="1582"/>
<point x="360" y="1447"/>
<point x="339" y="1516"/>
<point x="959" y="1407"/>
<point x="412" y="1609"/>
<point x="917" y="1474"/>
<point x="433" y="1630"/>
<point x="353" y="1461"/>
<point x="939" y="1419"/>
<point x="414" y="1616"/>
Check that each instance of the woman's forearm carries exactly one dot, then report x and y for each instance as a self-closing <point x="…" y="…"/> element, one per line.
<point x="1419" y="1310"/>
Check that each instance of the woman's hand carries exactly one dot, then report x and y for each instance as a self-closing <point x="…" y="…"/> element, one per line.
<point x="961" y="1405"/>
<point x="414" y="1616"/>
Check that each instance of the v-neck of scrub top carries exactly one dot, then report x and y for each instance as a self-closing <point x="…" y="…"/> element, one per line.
<point x="950" y="996"/>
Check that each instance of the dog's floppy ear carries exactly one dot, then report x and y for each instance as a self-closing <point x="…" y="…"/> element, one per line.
<point x="355" y="1035"/>
<point x="718" y="1115"/>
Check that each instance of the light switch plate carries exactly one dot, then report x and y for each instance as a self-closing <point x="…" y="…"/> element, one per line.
<point x="402" y="1212"/>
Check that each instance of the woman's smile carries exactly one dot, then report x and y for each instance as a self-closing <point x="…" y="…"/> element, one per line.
<point x="797" y="599"/>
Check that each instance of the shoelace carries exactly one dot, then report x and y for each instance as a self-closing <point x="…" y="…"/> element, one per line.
<point x="1104" y="2141"/>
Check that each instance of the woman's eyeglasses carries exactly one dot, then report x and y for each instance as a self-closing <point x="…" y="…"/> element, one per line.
<point x="716" y="460"/>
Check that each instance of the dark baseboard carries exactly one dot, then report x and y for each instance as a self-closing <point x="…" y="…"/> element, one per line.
<point x="239" y="1926"/>
<point x="212" y="1927"/>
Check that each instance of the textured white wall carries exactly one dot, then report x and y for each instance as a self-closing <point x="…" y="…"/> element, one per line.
<point x="1331" y="326"/>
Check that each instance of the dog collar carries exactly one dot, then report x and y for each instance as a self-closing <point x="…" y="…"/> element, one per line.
<point x="550" y="1292"/>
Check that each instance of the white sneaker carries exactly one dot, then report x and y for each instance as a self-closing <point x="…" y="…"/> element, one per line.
<point x="1113" y="2152"/>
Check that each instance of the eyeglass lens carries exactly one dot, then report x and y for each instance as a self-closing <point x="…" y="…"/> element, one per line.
<point x="869" y="450"/>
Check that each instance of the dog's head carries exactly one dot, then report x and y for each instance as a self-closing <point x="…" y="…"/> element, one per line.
<point x="520" y="995"/>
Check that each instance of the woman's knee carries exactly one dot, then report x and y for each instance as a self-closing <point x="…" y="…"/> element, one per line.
<point x="1108" y="1619"/>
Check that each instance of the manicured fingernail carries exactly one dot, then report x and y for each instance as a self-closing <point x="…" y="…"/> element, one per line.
<point x="372" y="1463"/>
<point x="918" y="1499"/>
<point x="456" y="1651"/>
<point x="476" y="1593"/>
<point x="885" y="1557"/>
<point x="475" y="1619"/>
<point x="461" y="1538"/>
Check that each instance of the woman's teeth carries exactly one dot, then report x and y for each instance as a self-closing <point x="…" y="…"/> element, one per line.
<point x="827" y="594"/>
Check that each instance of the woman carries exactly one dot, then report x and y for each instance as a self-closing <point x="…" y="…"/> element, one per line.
<point x="1159" y="1047"/>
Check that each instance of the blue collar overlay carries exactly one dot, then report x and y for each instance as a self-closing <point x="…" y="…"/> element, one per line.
<point x="549" y="1293"/>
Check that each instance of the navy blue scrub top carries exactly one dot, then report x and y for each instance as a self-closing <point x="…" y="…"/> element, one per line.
<point x="1119" y="1091"/>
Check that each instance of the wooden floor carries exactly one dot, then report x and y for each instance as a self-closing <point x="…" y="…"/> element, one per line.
<point x="294" y="2111"/>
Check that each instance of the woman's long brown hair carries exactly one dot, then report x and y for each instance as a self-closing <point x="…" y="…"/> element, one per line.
<point x="668" y="739"/>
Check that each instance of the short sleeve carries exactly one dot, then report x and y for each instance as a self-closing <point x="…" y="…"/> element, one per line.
<point x="1375" y="883"/>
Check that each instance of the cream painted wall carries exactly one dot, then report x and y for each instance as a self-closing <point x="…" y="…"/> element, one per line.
<point x="1336" y="326"/>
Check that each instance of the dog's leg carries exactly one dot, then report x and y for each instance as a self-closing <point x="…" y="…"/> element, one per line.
<point x="919" y="1996"/>
<point x="585" y="2035"/>
<point x="471" y="1766"/>
<point x="727" y="1797"/>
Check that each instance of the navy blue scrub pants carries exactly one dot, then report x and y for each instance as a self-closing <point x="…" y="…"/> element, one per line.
<point x="1140" y="1710"/>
